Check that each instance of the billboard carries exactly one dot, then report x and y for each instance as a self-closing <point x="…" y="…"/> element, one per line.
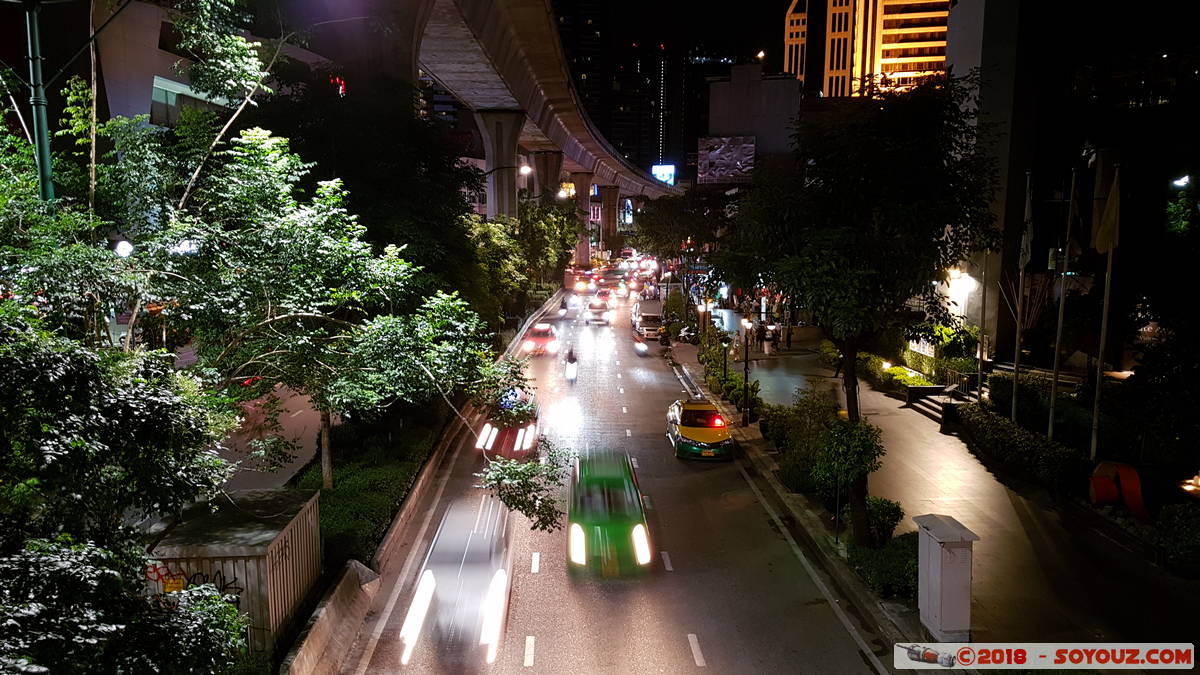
<point x="725" y="159"/>
<point x="664" y="172"/>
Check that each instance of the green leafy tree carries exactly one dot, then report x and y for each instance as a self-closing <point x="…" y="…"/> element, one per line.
<point x="888" y="192"/>
<point x="546" y="234"/>
<point x="80" y="608"/>
<point x="663" y="224"/>
<point x="531" y="488"/>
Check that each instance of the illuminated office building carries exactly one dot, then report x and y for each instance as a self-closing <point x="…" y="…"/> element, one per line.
<point x="893" y="41"/>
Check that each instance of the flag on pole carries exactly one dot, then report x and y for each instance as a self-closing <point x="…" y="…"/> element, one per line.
<point x="1027" y="237"/>
<point x="1104" y="239"/>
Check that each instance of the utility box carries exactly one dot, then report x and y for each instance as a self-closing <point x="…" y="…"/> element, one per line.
<point x="944" y="577"/>
<point x="261" y="546"/>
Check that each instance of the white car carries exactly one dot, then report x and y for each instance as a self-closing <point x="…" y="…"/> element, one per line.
<point x="599" y="310"/>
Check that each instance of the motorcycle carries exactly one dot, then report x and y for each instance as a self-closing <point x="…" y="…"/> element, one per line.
<point x="572" y="368"/>
<point x="689" y="335"/>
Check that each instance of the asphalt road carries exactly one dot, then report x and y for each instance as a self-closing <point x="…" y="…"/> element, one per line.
<point x="728" y="591"/>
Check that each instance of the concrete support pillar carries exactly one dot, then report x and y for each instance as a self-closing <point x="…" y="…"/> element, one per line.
<point x="547" y="168"/>
<point x="609" y="197"/>
<point x="583" y="205"/>
<point x="501" y="129"/>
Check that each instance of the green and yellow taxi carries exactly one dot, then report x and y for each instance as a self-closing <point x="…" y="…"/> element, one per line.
<point x="606" y="531"/>
<point x="697" y="429"/>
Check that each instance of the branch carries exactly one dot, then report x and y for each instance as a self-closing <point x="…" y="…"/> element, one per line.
<point x="266" y="322"/>
<point x="245" y="102"/>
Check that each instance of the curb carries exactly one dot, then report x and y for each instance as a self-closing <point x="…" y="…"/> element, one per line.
<point x="844" y="578"/>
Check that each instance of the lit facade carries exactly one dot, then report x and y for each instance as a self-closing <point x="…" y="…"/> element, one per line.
<point x="900" y="41"/>
<point x="795" y="39"/>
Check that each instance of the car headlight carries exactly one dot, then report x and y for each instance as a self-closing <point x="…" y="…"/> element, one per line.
<point x="577" y="545"/>
<point x="580" y="286"/>
<point x="552" y="347"/>
<point x="640" y="346"/>
<point x="641" y="545"/>
<point x="493" y="613"/>
<point x="528" y="346"/>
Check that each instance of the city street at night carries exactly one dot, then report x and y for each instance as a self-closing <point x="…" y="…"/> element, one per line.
<point x="723" y="575"/>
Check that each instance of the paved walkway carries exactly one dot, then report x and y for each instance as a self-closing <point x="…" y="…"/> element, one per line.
<point x="1039" y="575"/>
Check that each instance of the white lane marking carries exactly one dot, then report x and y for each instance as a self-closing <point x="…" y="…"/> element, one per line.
<point x="618" y="362"/>
<point x="618" y="375"/>
<point x="667" y="561"/>
<point x="628" y="432"/>
<point x="382" y="621"/>
<point x="528" y="651"/>
<point x="296" y="413"/>
<point x="635" y="462"/>
<point x="624" y="409"/>
<point x="696" y="653"/>
<point x="646" y="502"/>
<point x="812" y="573"/>
<point x="620" y="390"/>
<point x="536" y="564"/>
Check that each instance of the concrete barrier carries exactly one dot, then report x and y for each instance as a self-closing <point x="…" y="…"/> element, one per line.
<point x="330" y="630"/>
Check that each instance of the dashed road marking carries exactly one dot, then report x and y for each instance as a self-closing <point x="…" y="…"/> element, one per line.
<point x="667" y="561"/>
<point x="624" y="409"/>
<point x="536" y="564"/>
<point x="618" y="362"/>
<point x="634" y="461"/>
<point x="529" y="651"/>
<point x="296" y="413"/>
<point x="692" y="640"/>
<point x="618" y="375"/>
<point x="646" y="502"/>
<point x="628" y="432"/>
<point x="620" y="390"/>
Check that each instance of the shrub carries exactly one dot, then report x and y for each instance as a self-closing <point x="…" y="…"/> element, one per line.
<point x="829" y="353"/>
<point x="847" y="450"/>
<point x="1178" y="533"/>
<point x="813" y="413"/>
<point x="883" y="515"/>
<point x="998" y="438"/>
<point x="902" y="378"/>
<point x="890" y="571"/>
<point x="795" y="472"/>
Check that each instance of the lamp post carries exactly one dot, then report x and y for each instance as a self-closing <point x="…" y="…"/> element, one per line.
<point x="746" y="372"/>
<point x="725" y="340"/>
<point x="524" y="170"/>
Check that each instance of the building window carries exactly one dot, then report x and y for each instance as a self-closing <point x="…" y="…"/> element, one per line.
<point x="168" y="98"/>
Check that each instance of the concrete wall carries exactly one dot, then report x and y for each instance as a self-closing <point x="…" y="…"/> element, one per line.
<point x="331" y="629"/>
<point x="747" y="104"/>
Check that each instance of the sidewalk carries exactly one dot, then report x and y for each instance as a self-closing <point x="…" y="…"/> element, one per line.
<point x="1039" y="574"/>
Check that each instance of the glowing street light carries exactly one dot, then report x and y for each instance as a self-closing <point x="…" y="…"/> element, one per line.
<point x="1182" y="181"/>
<point x="123" y="249"/>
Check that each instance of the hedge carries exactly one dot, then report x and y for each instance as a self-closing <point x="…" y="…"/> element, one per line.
<point x="370" y="482"/>
<point x="883" y="515"/>
<point x="1072" y="417"/>
<point x="829" y="353"/>
<point x="1178" y="534"/>
<point x="997" y="438"/>
<point x="893" y="378"/>
<point x="890" y="571"/>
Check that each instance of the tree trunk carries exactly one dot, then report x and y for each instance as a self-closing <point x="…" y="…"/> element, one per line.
<point x="326" y="457"/>
<point x="858" y="485"/>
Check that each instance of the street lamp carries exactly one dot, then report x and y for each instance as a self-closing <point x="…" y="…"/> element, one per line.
<point x="725" y="340"/>
<point x="524" y="170"/>
<point x="746" y="372"/>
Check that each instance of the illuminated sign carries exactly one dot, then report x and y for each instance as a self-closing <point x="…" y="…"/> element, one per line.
<point x="664" y="172"/>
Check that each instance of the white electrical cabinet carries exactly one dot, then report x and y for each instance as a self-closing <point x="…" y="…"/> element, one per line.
<point x="944" y="577"/>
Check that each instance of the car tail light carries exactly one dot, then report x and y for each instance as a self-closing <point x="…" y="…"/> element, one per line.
<point x="578" y="548"/>
<point x="641" y="544"/>
<point x="483" y="436"/>
<point x="718" y="421"/>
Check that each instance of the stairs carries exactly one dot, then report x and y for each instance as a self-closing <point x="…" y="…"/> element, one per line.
<point x="930" y="406"/>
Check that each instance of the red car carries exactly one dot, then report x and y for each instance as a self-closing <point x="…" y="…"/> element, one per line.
<point x="541" y="339"/>
<point x="512" y="431"/>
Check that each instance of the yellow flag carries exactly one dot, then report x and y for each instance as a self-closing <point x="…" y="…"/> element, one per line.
<point x="1109" y="231"/>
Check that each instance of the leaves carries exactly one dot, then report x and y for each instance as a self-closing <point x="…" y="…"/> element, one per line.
<point x="532" y="488"/>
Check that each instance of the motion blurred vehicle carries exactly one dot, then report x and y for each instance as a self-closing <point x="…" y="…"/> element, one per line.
<point x="604" y="294"/>
<point x="623" y="290"/>
<point x="606" y="531"/>
<point x="646" y="318"/>
<point x="599" y="310"/>
<point x="541" y="339"/>
<point x="463" y="591"/>
<point x="511" y="430"/>
<point x="696" y="429"/>
<point x="609" y="278"/>
<point x="583" y="284"/>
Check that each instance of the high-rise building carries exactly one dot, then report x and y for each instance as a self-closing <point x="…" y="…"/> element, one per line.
<point x="889" y="42"/>
<point x="795" y="39"/>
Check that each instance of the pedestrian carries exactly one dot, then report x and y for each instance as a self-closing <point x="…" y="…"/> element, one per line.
<point x="760" y="335"/>
<point x="788" y="338"/>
